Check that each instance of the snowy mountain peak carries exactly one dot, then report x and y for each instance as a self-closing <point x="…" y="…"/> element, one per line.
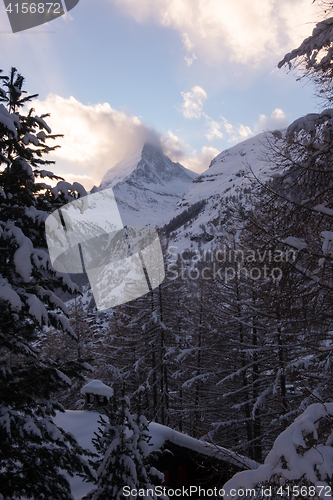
<point x="147" y="184"/>
<point x="150" y="150"/>
<point x="149" y="166"/>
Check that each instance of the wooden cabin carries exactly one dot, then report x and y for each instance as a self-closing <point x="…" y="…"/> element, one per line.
<point x="186" y="461"/>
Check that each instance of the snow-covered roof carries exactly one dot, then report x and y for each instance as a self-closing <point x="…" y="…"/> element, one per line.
<point x="83" y="424"/>
<point x="97" y="387"/>
<point x="161" y="435"/>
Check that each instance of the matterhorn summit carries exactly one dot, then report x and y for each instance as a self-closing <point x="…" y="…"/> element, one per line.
<point x="147" y="185"/>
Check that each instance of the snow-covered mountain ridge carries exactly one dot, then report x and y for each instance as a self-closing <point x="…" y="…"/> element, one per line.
<point x="203" y="212"/>
<point x="147" y="185"/>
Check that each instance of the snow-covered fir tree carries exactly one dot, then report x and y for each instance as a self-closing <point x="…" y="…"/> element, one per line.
<point x="33" y="449"/>
<point x="299" y="463"/>
<point x="122" y="442"/>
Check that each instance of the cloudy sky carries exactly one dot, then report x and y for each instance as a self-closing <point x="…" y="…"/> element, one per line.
<point x="196" y="75"/>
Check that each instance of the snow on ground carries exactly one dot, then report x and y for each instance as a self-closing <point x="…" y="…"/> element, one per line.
<point x="83" y="424"/>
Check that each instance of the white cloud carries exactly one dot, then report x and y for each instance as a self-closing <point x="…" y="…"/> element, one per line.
<point x="175" y="148"/>
<point x="214" y="129"/>
<point x="193" y="102"/>
<point x="96" y="136"/>
<point x="277" y="120"/>
<point x="244" y="132"/>
<point x="246" y="31"/>
<point x="234" y="133"/>
<point x="241" y="132"/>
<point x="238" y="132"/>
<point x="199" y="162"/>
<point x="188" y="46"/>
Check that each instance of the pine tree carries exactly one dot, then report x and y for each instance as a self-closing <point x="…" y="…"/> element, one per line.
<point x="292" y="317"/>
<point x="288" y="321"/>
<point x="65" y="349"/>
<point x="141" y="344"/>
<point x="122" y="442"/>
<point x="33" y="450"/>
<point x="299" y="463"/>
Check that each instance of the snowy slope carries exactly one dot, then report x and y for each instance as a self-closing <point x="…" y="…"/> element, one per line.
<point x="82" y="424"/>
<point x="211" y="195"/>
<point x="147" y="185"/>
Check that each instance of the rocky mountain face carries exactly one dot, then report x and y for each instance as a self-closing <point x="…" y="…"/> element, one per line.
<point x="147" y="185"/>
<point x="189" y="208"/>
